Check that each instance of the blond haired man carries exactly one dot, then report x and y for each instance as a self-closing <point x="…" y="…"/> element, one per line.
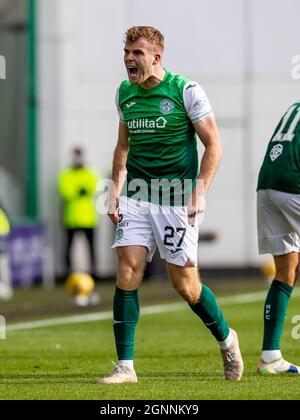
<point x="160" y="113"/>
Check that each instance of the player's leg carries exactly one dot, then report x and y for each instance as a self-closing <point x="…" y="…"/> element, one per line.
<point x="135" y="245"/>
<point x="287" y="268"/>
<point x="203" y="302"/>
<point x="201" y="299"/>
<point x="278" y="234"/>
<point x="297" y="270"/>
<point x="177" y="241"/>
<point x="126" y="310"/>
<point x="275" y="310"/>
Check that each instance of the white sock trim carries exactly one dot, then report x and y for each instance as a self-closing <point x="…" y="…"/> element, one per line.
<point x="227" y="343"/>
<point x="126" y="363"/>
<point x="270" y="356"/>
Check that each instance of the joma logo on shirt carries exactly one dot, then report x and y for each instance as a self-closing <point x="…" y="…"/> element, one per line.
<point x="145" y="123"/>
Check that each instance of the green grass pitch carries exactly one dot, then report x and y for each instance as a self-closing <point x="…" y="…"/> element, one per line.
<point x="176" y="358"/>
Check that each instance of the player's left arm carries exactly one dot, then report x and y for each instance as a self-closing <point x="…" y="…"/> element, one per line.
<point x="208" y="133"/>
<point x="200" y="113"/>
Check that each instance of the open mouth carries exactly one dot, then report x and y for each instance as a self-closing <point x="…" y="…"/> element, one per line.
<point x="133" y="71"/>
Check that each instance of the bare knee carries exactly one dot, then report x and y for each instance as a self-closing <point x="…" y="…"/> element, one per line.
<point x="130" y="273"/>
<point x="287" y="267"/>
<point x="186" y="282"/>
<point x="286" y="274"/>
<point x="297" y="273"/>
<point x="188" y="293"/>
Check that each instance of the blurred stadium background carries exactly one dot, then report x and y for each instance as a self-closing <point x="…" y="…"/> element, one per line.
<point x="63" y="65"/>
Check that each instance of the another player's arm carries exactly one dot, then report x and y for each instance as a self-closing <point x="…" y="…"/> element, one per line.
<point x="208" y="133"/>
<point x="118" y="171"/>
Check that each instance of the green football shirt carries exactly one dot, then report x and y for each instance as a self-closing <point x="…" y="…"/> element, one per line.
<point x="162" y="155"/>
<point x="281" y="166"/>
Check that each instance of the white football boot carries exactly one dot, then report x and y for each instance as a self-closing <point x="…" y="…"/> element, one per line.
<point x="232" y="360"/>
<point x="276" y="367"/>
<point x="120" y="375"/>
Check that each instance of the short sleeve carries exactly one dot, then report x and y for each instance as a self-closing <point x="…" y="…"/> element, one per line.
<point x="196" y="102"/>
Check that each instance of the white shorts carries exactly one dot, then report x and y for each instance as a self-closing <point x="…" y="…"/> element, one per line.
<point x="278" y="222"/>
<point x="150" y="225"/>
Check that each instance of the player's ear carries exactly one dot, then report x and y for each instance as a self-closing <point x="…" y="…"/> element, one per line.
<point x="157" y="58"/>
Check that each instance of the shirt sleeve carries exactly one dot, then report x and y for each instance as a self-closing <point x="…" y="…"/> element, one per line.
<point x="196" y="102"/>
<point x="118" y="106"/>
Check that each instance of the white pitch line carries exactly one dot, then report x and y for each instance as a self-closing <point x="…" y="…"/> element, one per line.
<point x="148" y="310"/>
<point x="102" y="316"/>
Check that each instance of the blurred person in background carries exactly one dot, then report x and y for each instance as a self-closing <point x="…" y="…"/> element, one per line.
<point x="77" y="187"/>
<point x="160" y="114"/>
<point x="278" y="225"/>
<point x="5" y="271"/>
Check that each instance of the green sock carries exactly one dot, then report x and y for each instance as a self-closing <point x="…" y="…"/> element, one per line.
<point x="126" y="311"/>
<point x="275" y="313"/>
<point x="208" y="310"/>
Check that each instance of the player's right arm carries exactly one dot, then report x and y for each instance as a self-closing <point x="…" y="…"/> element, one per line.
<point x="118" y="171"/>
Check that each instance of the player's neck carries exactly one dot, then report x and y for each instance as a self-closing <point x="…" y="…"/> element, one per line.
<point x="155" y="79"/>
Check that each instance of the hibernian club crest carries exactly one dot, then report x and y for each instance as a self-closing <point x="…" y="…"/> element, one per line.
<point x="119" y="234"/>
<point x="166" y="106"/>
<point x="276" y="151"/>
